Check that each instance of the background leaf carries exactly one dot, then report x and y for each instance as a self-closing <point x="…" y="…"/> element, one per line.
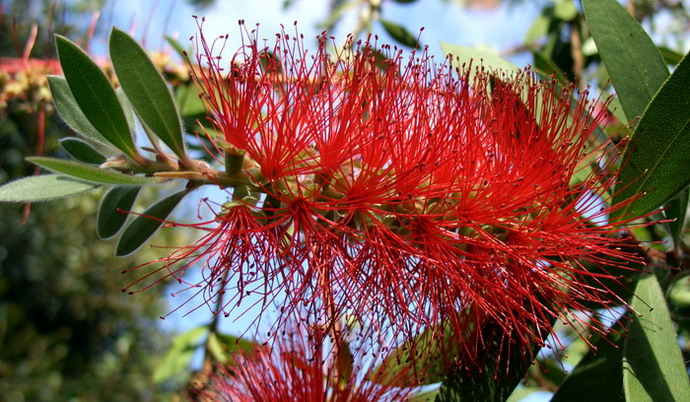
<point x="146" y="90"/>
<point x="178" y="358"/>
<point x="95" y="96"/>
<point x="110" y="220"/>
<point x="653" y="367"/>
<point x="145" y="225"/>
<point x="465" y="55"/>
<point x="42" y="188"/>
<point x="633" y="62"/>
<point x="90" y="173"/>
<point x="656" y="160"/>
<point x="399" y="33"/>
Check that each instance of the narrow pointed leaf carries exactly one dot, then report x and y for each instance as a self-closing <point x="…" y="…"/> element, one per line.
<point x="146" y="90"/>
<point x="95" y="96"/>
<point x="82" y="151"/>
<point x="633" y="62"/>
<point x="91" y="173"/>
<point x="42" y="188"/>
<point x="676" y="210"/>
<point x="127" y="109"/>
<point x="177" y="359"/>
<point x="145" y="225"/>
<point x="399" y="33"/>
<point x="598" y="376"/>
<point x="176" y="45"/>
<point x="653" y="366"/>
<point x="112" y="212"/>
<point x="657" y="158"/>
<point x="68" y="109"/>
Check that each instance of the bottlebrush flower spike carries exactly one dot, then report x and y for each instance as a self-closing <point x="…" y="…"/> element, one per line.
<point x="403" y="193"/>
<point x="300" y="367"/>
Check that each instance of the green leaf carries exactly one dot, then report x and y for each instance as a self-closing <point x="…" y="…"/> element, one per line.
<point x="465" y="55"/>
<point x="42" y="188"/>
<point x="631" y="58"/>
<point x="82" y="151"/>
<point x="178" y="358"/>
<point x="127" y="110"/>
<point x="176" y="45"/>
<point x="146" y="90"/>
<point x="486" y="383"/>
<point x="400" y="34"/>
<point x="145" y="225"/>
<point x="112" y="211"/>
<point x="670" y="56"/>
<point x="598" y="376"/>
<point x="91" y="173"/>
<point x="232" y="344"/>
<point x="95" y="96"/>
<point x="404" y="367"/>
<point x="565" y="10"/>
<point x="676" y="210"/>
<point x="656" y="159"/>
<point x="653" y="366"/>
<point x="68" y="109"/>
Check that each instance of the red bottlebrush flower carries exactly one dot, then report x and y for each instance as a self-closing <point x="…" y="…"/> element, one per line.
<point x="300" y="367"/>
<point x="404" y="194"/>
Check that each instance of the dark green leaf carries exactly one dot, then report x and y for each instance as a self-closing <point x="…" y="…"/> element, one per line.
<point x="112" y="211"/>
<point x="653" y="366"/>
<point x="145" y="225"/>
<point x="631" y="58"/>
<point x="676" y="210"/>
<point x="91" y="173"/>
<point x="146" y="90"/>
<point x="95" y="96"/>
<point x="67" y="107"/>
<point x="178" y="358"/>
<point x="598" y="376"/>
<point x="399" y="33"/>
<point x="489" y="382"/>
<point x="42" y="188"/>
<point x="82" y="151"/>
<point x="657" y="158"/>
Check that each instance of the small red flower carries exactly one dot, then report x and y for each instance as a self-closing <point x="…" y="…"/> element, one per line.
<point x="404" y="193"/>
<point x="294" y="369"/>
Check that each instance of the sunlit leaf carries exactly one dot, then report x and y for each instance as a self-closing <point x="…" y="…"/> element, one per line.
<point x="68" y="109"/>
<point x="657" y="158"/>
<point x="91" y="173"/>
<point x="42" y="188"/>
<point x="177" y="359"/>
<point x="95" y="96"/>
<point x="653" y="366"/>
<point x="147" y="90"/>
<point x="631" y="58"/>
